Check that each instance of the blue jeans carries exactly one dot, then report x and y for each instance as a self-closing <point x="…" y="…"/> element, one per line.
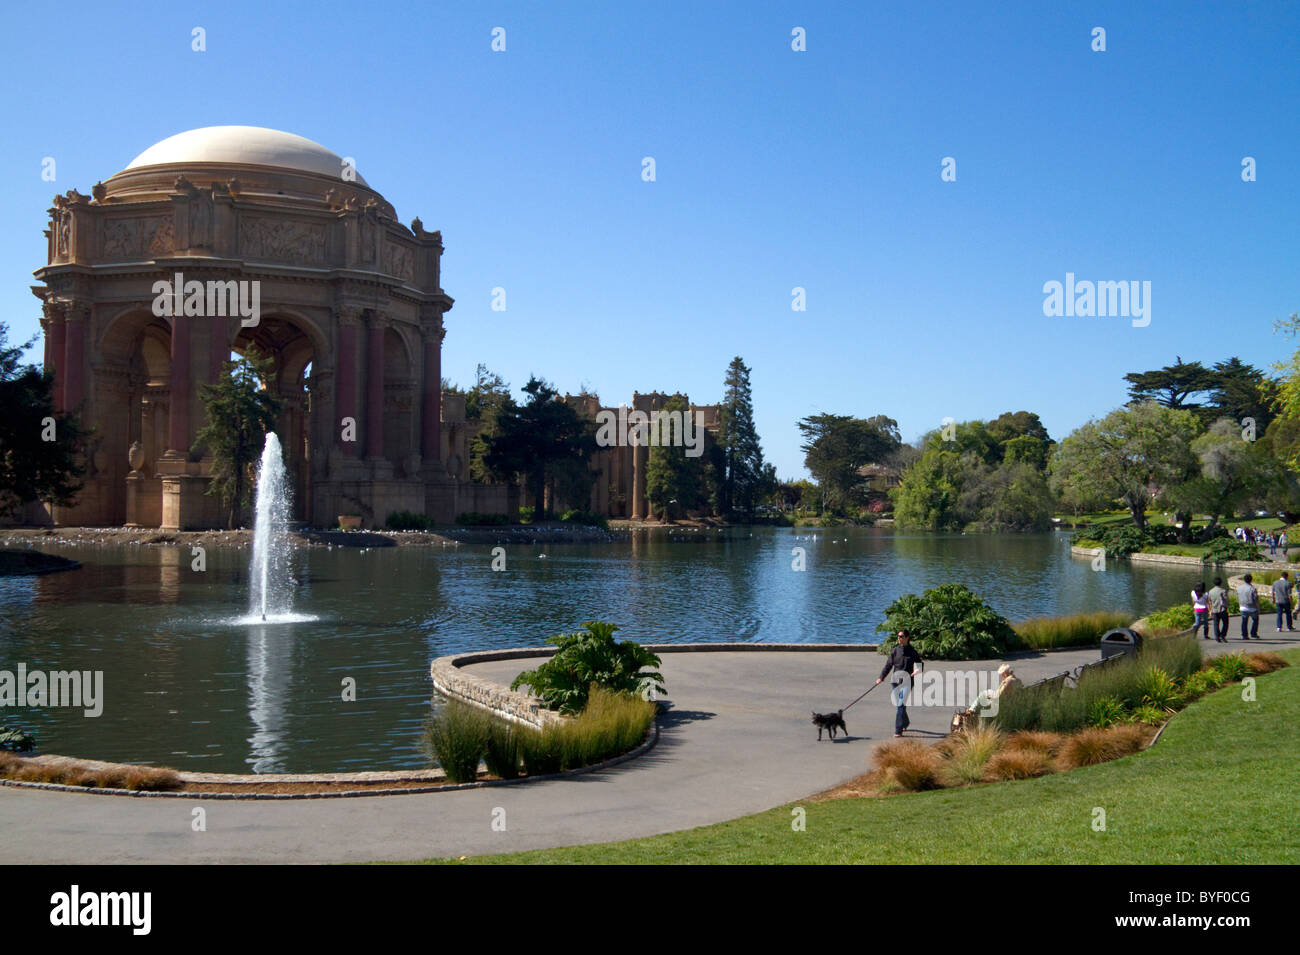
<point x="1253" y="617"/>
<point x="901" y="722"/>
<point x="1202" y="620"/>
<point x="1284" y="609"/>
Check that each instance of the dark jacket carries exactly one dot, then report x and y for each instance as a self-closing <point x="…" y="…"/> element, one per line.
<point x="901" y="658"/>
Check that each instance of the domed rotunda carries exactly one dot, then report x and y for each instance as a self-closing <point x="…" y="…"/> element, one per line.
<point x="231" y="238"/>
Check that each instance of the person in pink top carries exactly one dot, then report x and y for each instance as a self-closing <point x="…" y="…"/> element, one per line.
<point x="1201" y="607"/>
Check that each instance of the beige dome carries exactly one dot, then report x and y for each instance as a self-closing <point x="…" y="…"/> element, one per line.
<point x="243" y="145"/>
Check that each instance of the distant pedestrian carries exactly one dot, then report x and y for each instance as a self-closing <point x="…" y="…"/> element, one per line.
<point x="902" y="663"/>
<point x="1272" y="544"/>
<point x="1248" y="598"/>
<point x="1201" y="608"/>
<point x="1281" y="543"/>
<point x="1219" y="609"/>
<point x="1282" y="598"/>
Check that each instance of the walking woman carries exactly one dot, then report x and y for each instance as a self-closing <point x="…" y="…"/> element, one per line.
<point x="1201" y="607"/>
<point x="902" y="664"/>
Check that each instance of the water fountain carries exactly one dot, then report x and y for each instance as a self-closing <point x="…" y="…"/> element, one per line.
<point x="270" y="591"/>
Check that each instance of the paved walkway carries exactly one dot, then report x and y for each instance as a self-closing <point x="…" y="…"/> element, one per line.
<point x="736" y="740"/>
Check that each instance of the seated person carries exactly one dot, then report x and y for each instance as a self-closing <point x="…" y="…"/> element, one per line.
<point x="1007" y="681"/>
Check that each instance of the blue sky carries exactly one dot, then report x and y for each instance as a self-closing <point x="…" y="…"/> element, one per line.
<point x="775" y="169"/>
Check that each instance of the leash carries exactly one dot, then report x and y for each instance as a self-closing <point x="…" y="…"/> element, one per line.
<point x="869" y="689"/>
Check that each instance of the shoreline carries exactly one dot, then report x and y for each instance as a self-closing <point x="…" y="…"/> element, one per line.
<point x="33" y="537"/>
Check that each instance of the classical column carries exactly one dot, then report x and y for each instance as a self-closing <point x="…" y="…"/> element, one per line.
<point x="639" y="457"/>
<point x="178" y="424"/>
<point x="345" y="381"/>
<point x="377" y="324"/>
<point x="57" y="336"/>
<point x="431" y="410"/>
<point x="74" y="357"/>
<point x="218" y="346"/>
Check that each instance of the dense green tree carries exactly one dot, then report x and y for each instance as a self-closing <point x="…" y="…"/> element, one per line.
<point x="240" y="411"/>
<point x="1013" y="496"/>
<point x="1174" y="386"/>
<point x="1241" y="392"/>
<point x="674" y="481"/>
<point x="1011" y="425"/>
<point x="1279" y="445"/>
<point x="544" y="440"/>
<point x="40" y="451"/>
<point x="966" y="437"/>
<point x="1028" y="449"/>
<point x="928" y="495"/>
<point x="836" y="446"/>
<point x="1130" y="454"/>
<point x="742" y="475"/>
<point x="1234" y="474"/>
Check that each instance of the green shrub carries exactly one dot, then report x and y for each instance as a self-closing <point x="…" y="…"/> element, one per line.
<point x="591" y="657"/>
<point x="610" y="725"/>
<point x="948" y="622"/>
<point x="457" y="738"/>
<point x="526" y="514"/>
<point x="1229" y="548"/>
<point x="1232" y="667"/>
<point x="1105" y="711"/>
<point x="1178" y="656"/>
<point x="1121" y="681"/>
<point x="586" y="518"/>
<point x="15" y="740"/>
<point x="475" y="519"/>
<point x="542" y="751"/>
<point x="408" y="521"/>
<point x="502" y="753"/>
<point x="1177" y="618"/>
<point x="1120" y="541"/>
<point x="1157" y="689"/>
<point x="1076" y="630"/>
<point x="1197" y="684"/>
<point x="1146" y="713"/>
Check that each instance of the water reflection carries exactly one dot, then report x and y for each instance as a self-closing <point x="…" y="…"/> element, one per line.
<point x="269" y="673"/>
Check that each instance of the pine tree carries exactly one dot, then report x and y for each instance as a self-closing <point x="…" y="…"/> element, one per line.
<point x="240" y="411"/>
<point x="742" y="454"/>
<point x="673" y="481"/>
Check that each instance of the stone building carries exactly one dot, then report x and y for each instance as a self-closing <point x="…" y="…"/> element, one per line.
<point x="350" y="307"/>
<point x="619" y="490"/>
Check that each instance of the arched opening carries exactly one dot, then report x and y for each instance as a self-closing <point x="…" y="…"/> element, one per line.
<point x="293" y="353"/>
<point x="400" y="442"/>
<point x="136" y="355"/>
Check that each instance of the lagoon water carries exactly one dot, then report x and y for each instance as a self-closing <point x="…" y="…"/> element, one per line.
<point x="189" y="684"/>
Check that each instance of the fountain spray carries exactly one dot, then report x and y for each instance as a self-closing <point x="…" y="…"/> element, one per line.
<point x="269" y="590"/>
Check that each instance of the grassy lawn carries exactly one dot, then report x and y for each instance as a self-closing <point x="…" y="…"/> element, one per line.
<point x="1219" y="787"/>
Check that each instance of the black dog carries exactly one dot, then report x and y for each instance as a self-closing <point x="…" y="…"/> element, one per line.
<point x="828" y="722"/>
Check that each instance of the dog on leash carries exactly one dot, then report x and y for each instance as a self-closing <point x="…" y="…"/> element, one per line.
<point x="828" y="722"/>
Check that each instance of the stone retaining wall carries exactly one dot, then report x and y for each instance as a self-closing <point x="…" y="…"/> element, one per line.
<point x="1241" y="565"/>
<point x="450" y="679"/>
